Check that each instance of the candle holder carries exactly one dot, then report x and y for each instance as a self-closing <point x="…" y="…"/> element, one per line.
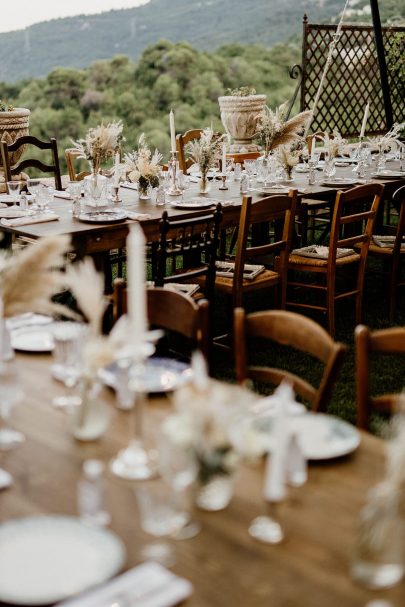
<point x="356" y="155"/>
<point x="116" y="197"/>
<point x="223" y="185"/>
<point x="174" y="189"/>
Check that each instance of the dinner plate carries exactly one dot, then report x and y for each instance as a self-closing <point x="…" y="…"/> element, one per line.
<point x="194" y="203"/>
<point x="389" y="175"/>
<point x="32" y="339"/>
<point x="103" y="216"/>
<point x="339" y="182"/>
<point x="44" y="559"/>
<point x="320" y="436"/>
<point x="161" y="375"/>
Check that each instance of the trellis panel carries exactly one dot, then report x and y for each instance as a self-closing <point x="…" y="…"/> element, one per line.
<point x="353" y="78"/>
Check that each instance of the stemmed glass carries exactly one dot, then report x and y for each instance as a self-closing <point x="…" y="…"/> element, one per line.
<point x="250" y="168"/>
<point x="34" y="187"/>
<point x="10" y="394"/>
<point x="44" y="197"/>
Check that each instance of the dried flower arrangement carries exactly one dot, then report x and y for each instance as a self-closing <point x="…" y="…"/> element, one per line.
<point x="288" y="158"/>
<point x="273" y="130"/>
<point x="30" y="278"/>
<point x="390" y="140"/>
<point x="206" y="151"/>
<point x="100" y="144"/>
<point x="142" y="166"/>
<point x="334" y="145"/>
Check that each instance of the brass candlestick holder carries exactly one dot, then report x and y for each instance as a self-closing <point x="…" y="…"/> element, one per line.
<point x="116" y="197"/>
<point x="223" y="185"/>
<point x="174" y="189"/>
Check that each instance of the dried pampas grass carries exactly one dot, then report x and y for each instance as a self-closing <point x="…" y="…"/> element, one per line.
<point x="29" y="279"/>
<point x="87" y="287"/>
<point x="273" y="130"/>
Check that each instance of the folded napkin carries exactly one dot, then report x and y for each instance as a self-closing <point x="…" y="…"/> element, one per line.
<point x="62" y="194"/>
<point x="10" y="212"/>
<point x="320" y="252"/>
<point x="387" y="241"/>
<point x="25" y="221"/>
<point x="129" y="185"/>
<point x="27" y="319"/>
<point x="148" y="585"/>
<point x="137" y="216"/>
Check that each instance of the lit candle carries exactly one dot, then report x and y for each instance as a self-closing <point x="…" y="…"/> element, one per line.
<point x="136" y="272"/>
<point x="224" y="158"/>
<point x="313" y="146"/>
<point x="365" y="118"/>
<point x="117" y="170"/>
<point x="172" y="131"/>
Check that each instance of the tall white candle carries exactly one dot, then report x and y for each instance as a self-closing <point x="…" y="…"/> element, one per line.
<point x="365" y="118"/>
<point x="136" y="272"/>
<point x="172" y="131"/>
<point x="313" y="146"/>
<point x="223" y="157"/>
<point x="117" y="170"/>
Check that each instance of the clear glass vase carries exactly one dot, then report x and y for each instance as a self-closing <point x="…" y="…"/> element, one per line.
<point x="378" y="560"/>
<point x="144" y="192"/>
<point x="216" y="493"/>
<point x="204" y="184"/>
<point x="89" y="416"/>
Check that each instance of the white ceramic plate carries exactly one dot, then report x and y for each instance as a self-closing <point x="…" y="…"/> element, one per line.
<point x="389" y="175"/>
<point x="45" y="559"/>
<point x="103" y="216"/>
<point x="321" y="436"/>
<point x="32" y="339"/>
<point x="194" y="203"/>
<point x="339" y="182"/>
<point x="161" y="375"/>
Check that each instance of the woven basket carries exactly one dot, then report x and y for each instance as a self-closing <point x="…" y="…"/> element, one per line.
<point x="13" y="125"/>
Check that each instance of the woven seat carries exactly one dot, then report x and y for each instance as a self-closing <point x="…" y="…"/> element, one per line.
<point x="310" y="261"/>
<point x="266" y="278"/>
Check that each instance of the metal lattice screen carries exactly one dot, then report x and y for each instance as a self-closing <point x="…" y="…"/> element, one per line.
<point x="353" y="78"/>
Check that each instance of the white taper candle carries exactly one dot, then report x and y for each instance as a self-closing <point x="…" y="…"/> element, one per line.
<point x="365" y="118"/>
<point x="117" y="170"/>
<point x="172" y="131"/>
<point x="136" y="272"/>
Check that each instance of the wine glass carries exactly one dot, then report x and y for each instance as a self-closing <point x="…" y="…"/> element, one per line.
<point x="34" y="187"/>
<point x="250" y="168"/>
<point x="44" y="197"/>
<point x="10" y="394"/>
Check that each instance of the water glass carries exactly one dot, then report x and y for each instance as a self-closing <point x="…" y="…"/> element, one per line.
<point x="10" y="394"/>
<point x="67" y="356"/>
<point x="14" y="189"/>
<point x="44" y="197"/>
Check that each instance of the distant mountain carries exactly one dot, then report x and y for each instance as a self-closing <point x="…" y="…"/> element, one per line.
<point x="206" y="24"/>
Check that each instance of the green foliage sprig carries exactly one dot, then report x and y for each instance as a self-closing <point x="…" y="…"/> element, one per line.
<point x="242" y="91"/>
<point x="5" y="107"/>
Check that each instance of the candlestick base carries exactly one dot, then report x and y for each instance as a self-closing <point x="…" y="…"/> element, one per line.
<point x="223" y="185"/>
<point x="116" y="197"/>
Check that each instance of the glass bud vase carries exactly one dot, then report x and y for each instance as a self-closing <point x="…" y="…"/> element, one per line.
<point x="144" y="192"/>
<point x="89" y="418"/>
<point x="378" y="558"/>
<point x="216" y="493"/>
<point x="204" y="183"/>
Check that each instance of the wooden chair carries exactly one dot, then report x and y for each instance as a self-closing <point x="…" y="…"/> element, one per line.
<point x="278" y="210"/>
<point x="190" y="247"/>
<point x="393" y="256"/>
<point x="72" y="155"/>
<point x="181" y="142"/>
<point x="385" y="341"/>
<point x="29" y="140"/>
<point x="352" y="225"/>
<point x="299" y="332"/>
<point x="171" y="311"/>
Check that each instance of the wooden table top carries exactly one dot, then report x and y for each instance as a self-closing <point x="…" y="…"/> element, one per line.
<point x="96" y="238"/>
<point x="225" y="565"/>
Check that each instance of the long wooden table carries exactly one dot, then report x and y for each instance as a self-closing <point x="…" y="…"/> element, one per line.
<point x="225" y="565"/>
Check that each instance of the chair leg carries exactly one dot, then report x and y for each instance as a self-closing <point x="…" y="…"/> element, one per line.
<point x="330" y="309"/>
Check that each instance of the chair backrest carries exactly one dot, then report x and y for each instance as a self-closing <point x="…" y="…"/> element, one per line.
<point x="385" y="341"/>
<point x="30" y="140"/>
<point x="288" y="329"/>
<point x="239" y="158"/>
<point x="181" y="142"/>
<point x="279" y="209"/>
<point x="171" y="311"/>
<point x="191" y="245"/>
<point x="72" y="155"/>
<point x="398" y="199"/>
<point x="353" y="219"/>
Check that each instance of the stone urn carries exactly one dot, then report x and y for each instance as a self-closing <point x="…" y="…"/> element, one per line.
<point x="239" y="116"/>
<point x="14" y="124"/>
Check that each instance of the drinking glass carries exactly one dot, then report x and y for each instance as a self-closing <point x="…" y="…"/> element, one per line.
<point x="14" y="189"/>
<point x="250" y="168"/>
<point x="44" y="197"/>
<point x="10" y="394"/>
<point x="34" y="186"/>
<point x="67" y="355"/>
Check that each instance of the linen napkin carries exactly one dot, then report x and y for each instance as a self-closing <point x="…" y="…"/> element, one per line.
<point x="62" y="194"/>
<point x="24" y="221"/>
<point x="12" y="212"/>
<point x="137" y="216"/>
<point x="148" y="585"/>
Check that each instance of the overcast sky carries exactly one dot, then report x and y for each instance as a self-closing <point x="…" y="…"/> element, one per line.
<point x="20" y="14"/>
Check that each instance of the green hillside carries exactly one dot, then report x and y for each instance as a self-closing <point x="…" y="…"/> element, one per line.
<point x="206" y="24"/>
